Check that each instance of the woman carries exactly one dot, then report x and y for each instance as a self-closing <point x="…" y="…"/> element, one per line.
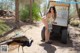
<point x="47" y="20"/>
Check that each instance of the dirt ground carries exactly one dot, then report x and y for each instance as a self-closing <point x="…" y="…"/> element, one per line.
<point x="37" y="46"/>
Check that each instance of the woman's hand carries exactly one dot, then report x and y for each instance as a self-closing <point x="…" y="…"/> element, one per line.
<point x="54" y="22"/>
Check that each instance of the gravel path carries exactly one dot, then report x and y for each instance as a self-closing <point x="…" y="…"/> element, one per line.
<point x="38" y="46"/>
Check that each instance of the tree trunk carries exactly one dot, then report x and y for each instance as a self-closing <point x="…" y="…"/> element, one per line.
<point x="77" y="8"/>
<point x="30" y="12"/>
<point x="17" y="13"/>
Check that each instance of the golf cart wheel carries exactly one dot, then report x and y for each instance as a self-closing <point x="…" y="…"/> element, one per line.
<point x="64" y="36"/>
<point x="43" y="34"/>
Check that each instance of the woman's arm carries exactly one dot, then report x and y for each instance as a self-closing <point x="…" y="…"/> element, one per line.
<point x="44" y="20"/>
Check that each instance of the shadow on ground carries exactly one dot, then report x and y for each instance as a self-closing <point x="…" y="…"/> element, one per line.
<point x="58" y="43"/>
<point x="49" y="48"/>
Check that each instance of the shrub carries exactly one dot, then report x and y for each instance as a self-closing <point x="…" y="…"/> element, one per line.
<point x="24" y="13"/>
<point x="3" y="27"/>
<point x="35" y="12"/>
<point x="74" y="22"/>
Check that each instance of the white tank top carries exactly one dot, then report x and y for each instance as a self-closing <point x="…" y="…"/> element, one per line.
<point x="50" y="20"/>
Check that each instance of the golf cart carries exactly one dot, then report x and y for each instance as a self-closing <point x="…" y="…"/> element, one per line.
<point x="60" y="28"/>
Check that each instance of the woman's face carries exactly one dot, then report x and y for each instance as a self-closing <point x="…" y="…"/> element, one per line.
<point x="52" y="11"/>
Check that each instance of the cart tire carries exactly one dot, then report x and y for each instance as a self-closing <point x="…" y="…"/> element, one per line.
<point x="64" y="36"/>
<point x="43" y="34"/>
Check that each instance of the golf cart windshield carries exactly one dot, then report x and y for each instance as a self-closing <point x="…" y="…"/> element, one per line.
<point x="62" y="13"/>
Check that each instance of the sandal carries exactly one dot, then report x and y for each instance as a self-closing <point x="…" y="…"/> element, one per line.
<point x="49" y="42"/>
<point x="42" y="40"/>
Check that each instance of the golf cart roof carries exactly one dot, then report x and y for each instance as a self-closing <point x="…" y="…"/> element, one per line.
<point x="57" y="3"/>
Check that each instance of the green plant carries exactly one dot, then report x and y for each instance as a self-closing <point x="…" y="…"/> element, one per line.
<point x="3" y="27"/>
<point x="35" y="12"/>
<point x="24" y="13"/>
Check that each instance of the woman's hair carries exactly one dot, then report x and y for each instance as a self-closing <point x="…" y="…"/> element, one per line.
<point x="54" y="11"/>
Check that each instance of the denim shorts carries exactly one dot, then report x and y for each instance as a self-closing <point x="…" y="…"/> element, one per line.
<point x="50" y="27"/>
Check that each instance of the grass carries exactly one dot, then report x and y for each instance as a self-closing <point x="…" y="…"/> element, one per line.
<point x="3" y="27"/>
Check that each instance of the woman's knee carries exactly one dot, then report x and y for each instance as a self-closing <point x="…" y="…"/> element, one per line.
<point x="46" y="27"/>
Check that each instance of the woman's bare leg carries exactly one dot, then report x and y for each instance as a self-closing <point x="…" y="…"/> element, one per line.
<point x="47" y="34"/>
